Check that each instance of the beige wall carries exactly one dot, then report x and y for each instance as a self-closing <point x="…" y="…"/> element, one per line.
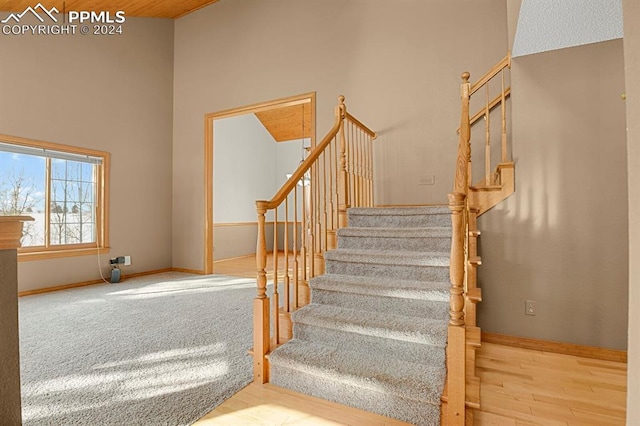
<point x="111" y="93"/>
<point x="399" y="68"/>
<point x="561" y="239"/>
<point x="631" y="9"/>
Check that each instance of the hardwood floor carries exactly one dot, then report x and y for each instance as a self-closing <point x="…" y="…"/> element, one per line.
<point x="519" y="387"/>
<point x="524" y="386"/>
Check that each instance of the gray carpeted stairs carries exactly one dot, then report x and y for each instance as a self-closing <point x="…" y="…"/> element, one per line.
<point x="375" y="332"/>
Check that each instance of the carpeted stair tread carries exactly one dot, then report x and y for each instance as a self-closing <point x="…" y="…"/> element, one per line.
<point x="404" y="217"/>
<point x="382" y="286"/>
<point x="420" y="232"/>
<point x="365" y="368"/>
<point x="387" y="326"/>
<point x="423" y="239"/>
<point x="404" y="258"/>
<point x="398" y="211"/>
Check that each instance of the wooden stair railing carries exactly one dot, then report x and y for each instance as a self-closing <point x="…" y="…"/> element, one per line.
<point x="467" y="202"/>
<point x="312" y="204"/>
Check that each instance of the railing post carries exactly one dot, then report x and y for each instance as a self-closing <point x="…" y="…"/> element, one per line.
<point x="343" y="187"/>
<point x="261" y="326"/>
<point x="456" y="345"/>
<point x="464" y="146"/>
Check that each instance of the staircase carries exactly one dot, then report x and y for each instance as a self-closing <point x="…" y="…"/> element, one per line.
<point x="390" y="324"/>
<point x="375" y="333"/>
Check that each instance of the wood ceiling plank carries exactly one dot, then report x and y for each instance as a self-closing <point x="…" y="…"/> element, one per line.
<point x="285" y="124"/>
<point x="137" y="8"/>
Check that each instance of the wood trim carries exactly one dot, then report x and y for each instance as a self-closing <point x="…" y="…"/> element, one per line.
<point x="478" y="115"/>
<point x="11" y="231"/>
<point x="27" y="256"/>
<point x="556" y="347"/>
<point x="504" y="63"/>
<point x="264" y="106"/>
<point x="208" y="194"/>
<point x="230" y="224"/>
<point x="367" y="130"/>
<point x="100" y="281"/>
<point x="208" y="156"/>
<point x="188" y="271"/>
<point x="102" y="183"/>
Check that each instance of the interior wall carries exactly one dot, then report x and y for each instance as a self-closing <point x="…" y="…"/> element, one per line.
<point x="110" y="93"/>
<point x="249" y="165"/>
<point x="244" y="168"/>
<point x="632" y="70"/>
<point x="399" y="68"/>
<point x="561" y="239"/>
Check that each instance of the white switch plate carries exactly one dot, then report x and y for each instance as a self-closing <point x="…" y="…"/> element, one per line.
<point x="427" y="180"/>
<point x="127" y="260"/>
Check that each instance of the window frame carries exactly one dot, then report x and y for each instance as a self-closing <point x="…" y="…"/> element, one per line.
<point x="101" y="173"/>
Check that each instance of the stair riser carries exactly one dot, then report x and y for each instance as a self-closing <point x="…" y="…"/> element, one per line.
<point x="412" y="411"/>
<point x="429" y="244"/>
<point x="409" y="307"/>
<point x="405" y="272"/>
<point x="392" y="221"/>
<point x="401" y="349"/>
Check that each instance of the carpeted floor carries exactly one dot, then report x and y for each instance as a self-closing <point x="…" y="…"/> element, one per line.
<point x="157" y="350"/>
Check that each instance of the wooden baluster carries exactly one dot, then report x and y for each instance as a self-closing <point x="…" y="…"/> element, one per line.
<point x="487" y="149"/>
<point x="503" y="111"/>
<point x="371" y="176"/>
<point x="332" y="239"/>
<point x="304" y="250"/>
<point x="325" y="204"/>
<point x="343" y="203"/>
<point x="296" y="263"/>
<point x="276" y="296"/>
<point x="312" y="223"/>
<point x="287" y="282"/>
<point x="261" y="326"/>
<point x="358" y="168"/>
<point x="336" y="152"/>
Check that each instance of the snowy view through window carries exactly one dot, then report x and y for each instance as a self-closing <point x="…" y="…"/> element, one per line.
<point x="29" y="183"/>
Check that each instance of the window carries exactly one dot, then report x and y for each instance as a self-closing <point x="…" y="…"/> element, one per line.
<point x="63" y="188"/>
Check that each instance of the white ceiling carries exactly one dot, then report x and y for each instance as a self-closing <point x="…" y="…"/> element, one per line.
<point x="545" y="25"/>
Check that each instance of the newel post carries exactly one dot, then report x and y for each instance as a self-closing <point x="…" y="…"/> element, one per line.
<point x="261" y="327"/>
<point x="343" y="182"/>
<point x="10" y="401"/>
<point x="456" y="344"/>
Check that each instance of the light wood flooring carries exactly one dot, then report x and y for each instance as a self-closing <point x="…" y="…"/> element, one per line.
<point x="519" y="387"/>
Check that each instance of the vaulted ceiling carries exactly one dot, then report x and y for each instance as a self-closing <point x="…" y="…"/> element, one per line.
<point x="140" y="8"/>
<point x="286" y="123"/>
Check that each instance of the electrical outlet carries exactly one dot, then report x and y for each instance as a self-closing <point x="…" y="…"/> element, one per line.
<point x="127" y="260"/>
<point x="530" y="307"/>
<point x="427" y="180"/>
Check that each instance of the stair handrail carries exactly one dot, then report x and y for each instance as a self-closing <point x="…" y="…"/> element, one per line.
<point x="460" y="210"/>
<point x="336" y="174"/>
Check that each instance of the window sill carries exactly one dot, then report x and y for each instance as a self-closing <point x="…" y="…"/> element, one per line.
<point x="54" y="254"/>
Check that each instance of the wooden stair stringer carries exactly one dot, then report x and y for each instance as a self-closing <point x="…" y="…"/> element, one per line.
<point x="485" y="197"/>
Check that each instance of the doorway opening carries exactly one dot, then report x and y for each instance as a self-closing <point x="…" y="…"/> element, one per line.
<point x="246" y="160"/>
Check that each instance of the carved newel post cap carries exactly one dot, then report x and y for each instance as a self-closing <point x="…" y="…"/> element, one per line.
<point x="465" y="76"/>
<point x="11" y="231"/>
<point x="341" y="99"/>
